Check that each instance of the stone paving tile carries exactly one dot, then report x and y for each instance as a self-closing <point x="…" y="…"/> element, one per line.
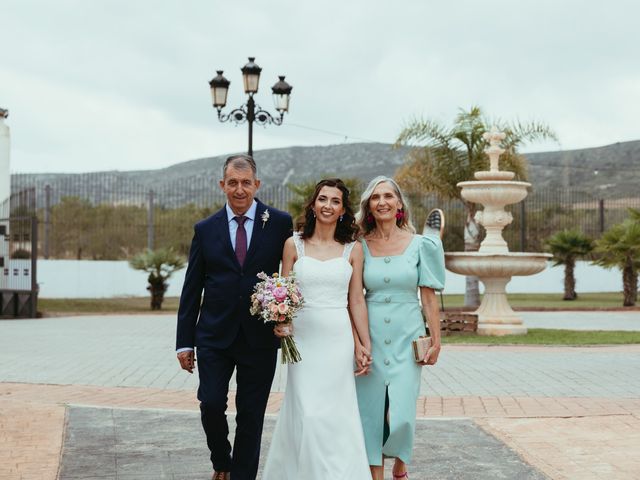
<point x="571" y="448"/>
<point x="137" y="351"/>
<point x="171" y="445"/>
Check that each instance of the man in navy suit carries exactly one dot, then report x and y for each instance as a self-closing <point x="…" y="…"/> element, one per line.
<point x="228" y="250"/>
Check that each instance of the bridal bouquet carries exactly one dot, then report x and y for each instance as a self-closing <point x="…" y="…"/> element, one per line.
<point x="278" y="299"/>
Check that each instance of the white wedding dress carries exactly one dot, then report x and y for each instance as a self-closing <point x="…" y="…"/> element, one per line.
<point x="318" y="435"/>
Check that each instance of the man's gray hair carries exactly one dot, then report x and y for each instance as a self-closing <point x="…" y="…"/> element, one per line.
<point x="241" y="161"/>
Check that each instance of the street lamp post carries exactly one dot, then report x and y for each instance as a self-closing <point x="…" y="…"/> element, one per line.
<point x="250" y="112"/>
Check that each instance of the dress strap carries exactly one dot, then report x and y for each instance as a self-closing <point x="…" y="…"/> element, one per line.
<point x="365" y="247"/>
<point x="299" y="243"/>
<point x="347" y="250"/>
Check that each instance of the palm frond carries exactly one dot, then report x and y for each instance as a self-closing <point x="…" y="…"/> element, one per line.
<point x="518" y="133"/>
<point x="422" y="132"/>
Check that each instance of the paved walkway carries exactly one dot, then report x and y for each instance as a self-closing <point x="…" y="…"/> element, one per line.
<point x="527" y="412"/>
<point x="603" y="320"/>
<point x="137" y="351"/>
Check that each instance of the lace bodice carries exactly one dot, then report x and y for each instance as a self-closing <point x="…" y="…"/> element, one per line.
<point x="323" y="283"/>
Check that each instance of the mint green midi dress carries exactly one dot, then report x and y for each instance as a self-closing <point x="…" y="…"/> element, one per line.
<point x="395" y="319"/>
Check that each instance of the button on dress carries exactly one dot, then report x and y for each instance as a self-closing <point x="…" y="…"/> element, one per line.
<point x="395" y="319"/>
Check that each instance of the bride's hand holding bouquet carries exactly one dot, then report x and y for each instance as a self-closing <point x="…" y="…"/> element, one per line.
<point x="277" y="299"/>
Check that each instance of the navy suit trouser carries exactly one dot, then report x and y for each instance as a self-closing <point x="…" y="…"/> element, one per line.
<point x="255" y="368"/>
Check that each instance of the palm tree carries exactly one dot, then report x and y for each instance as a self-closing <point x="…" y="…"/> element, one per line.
<point x="443" y="156"/>
<point x="567" y="246"/>
<point x="620" y="247"/>
<point x="160" y="265"/>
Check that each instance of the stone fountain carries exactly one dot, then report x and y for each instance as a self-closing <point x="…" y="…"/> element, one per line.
<point x="494" y="264"/>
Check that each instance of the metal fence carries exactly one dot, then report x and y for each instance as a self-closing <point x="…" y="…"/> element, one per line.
<point x="97" y="217"/>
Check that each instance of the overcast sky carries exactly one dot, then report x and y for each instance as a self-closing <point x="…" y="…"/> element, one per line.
<point x="115" y="84"/>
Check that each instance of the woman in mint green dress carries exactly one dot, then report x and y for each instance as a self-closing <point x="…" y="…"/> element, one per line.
<point x="398" y="264"/>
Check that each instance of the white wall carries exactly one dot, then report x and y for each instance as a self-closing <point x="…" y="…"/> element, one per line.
<point x="93" y="279"/>
<point x="5" y="153"/>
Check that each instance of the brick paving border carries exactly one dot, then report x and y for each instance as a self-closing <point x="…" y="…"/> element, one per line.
<point x="30" y="440"/>
<point x="428" y="407"/>
<point x="588" y="448"/>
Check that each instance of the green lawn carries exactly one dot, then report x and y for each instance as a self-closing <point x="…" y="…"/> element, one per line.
<point x="72" y="306"/>
<point x="540" y="336"/>
<point x="541" y="301"/>
<point x="587" y="301"/>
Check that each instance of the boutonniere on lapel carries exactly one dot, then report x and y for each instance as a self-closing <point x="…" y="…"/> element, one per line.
<point x="265" y="217"/>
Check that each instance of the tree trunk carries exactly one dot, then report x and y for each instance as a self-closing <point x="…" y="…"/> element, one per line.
<point x="629" y="284"/>
<point x="156" y="287"/>
<point x="471" y="244"/>
<point x="569" y="280"/>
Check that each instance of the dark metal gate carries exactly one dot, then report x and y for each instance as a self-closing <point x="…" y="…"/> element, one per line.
<point x="19" y="257"/>
<point x="18" y="262"/>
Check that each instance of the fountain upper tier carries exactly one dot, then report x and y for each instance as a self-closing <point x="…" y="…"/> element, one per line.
<point x="494" y="195"/>
<point x="494" y="192"/>
<point x="494" y="189"/>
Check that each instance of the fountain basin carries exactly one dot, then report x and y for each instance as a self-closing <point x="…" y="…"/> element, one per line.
<point x="493" y="192"/>
<point x="496" y="264"/>
<point x="495" y="315"/>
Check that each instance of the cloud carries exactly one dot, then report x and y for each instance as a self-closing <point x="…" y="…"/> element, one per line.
<point x="123" y="85"/>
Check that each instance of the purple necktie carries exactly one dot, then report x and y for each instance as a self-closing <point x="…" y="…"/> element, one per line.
<point x="241" y="239"/>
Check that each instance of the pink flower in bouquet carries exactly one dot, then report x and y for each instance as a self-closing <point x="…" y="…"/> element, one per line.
<point x="283" y="308"/>
<point x="280" y="293"/>
<point x="282" y="318"/>
<point x="295" y="299"/>
<point x="273" y="307"/>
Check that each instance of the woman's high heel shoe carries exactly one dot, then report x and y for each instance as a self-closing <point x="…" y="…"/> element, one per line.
<point x="402" y="475"/>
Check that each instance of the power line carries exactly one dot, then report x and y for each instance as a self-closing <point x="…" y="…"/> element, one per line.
<point x="329" y="132"/>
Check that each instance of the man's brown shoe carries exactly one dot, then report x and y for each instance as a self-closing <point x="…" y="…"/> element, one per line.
<point x="221" y="476"/>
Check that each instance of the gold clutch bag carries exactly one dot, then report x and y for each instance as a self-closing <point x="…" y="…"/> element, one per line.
<point x="420" y="346"/>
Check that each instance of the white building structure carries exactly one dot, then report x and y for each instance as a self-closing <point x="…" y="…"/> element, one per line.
<point x="5" y="151"/>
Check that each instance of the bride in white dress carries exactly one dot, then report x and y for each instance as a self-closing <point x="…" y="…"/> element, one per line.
<point x="318" y="434"/>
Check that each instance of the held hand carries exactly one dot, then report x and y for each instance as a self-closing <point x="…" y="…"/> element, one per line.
<point x="363" y="367"/>
<point x="187" y="360"/>
<point x="363" y="359"/>
<point x="282" y="330"/>
<point x="431" y="357"/>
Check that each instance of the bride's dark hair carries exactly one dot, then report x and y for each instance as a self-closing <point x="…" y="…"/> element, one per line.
<point x="346" y="228"/>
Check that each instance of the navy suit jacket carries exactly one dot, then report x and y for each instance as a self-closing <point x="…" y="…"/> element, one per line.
<point x="215" y="318"/>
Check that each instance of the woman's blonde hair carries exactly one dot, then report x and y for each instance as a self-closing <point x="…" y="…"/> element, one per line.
<point x="364" y="218"/>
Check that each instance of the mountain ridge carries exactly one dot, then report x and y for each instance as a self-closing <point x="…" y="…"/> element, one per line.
<point x="608" y="171"/>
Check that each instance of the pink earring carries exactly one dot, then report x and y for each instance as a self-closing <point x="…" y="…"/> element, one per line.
<point x="370" y="219"/>
<point x="399" y="214"/>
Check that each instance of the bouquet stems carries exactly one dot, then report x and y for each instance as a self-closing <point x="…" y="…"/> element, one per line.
<point x="290" y="352"/>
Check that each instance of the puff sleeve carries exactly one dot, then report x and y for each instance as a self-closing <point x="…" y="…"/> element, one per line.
<point x="431" y="272"/>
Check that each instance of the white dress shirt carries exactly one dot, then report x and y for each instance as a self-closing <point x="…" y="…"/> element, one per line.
<point x="248" y="223"/>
